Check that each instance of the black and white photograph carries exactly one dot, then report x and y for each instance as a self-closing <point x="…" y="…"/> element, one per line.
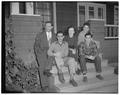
<point x="60" y="47"/>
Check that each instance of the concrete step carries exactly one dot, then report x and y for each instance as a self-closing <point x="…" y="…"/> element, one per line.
<point x="91" y="74"/>
<point x="110" y="88"/>
<point x="91" y="85"/>
<point x="104" y="63"/>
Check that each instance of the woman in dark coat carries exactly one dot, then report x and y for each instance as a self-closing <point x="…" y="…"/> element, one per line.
<point x="71" y="38"/>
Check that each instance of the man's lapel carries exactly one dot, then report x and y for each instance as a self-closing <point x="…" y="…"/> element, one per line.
<point x="53" y="37"/>
<point x="45" y="38"/>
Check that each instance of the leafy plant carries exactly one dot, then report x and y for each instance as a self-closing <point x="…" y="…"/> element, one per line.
<point x="19" y="77"/>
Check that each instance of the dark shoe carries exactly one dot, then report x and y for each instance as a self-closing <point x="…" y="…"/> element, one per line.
<point x="78" y="71"/>
<point x="61" y="77"/>
<point x="47" y="73"/>
<point x="99" y="77"/>
<point x="85" y="79"/>
<point x="73" y="82"/>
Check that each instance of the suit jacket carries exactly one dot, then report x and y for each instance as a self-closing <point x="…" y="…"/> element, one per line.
<point x="41" y="46"/>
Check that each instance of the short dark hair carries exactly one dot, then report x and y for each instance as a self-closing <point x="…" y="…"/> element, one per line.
<point x="86" y="23"/>
<point x="59" y="32"/>
<point x="89" y="33"/>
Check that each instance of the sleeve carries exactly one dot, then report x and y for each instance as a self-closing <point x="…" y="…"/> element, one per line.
<point x="51" y="49"/>
<point x="95" y="50"/>
<point x="81" y="49"/>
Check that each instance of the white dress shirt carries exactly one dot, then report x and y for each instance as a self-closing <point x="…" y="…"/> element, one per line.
<point x="49" y="36"/>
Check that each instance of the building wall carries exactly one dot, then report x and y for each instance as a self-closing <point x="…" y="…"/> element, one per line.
<point x="66" y="14"/>
<point x="110" y="50"/>
<point x="108" y="47"/>
<point x="25" y="29"/>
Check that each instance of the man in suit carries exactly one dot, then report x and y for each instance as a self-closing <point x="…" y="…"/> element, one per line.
<point x="42" y="42"/>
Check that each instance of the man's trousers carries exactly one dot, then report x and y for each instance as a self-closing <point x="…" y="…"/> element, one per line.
<point x="96" y="61"/>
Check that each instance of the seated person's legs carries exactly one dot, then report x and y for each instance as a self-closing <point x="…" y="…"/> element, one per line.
<point x="97" y="63"/>
<point x="71" y="64"/>
<point x="82" y="62"/>
<point x="98" y="67"/>
<point x="59" y="65"/>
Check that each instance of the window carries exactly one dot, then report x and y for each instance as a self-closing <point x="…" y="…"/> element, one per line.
<point x="82" y="15"/>
<point x="91" y="13"/>
<point x="22" y="7"/>
<point x="43" y="9"/>
<point x="33" y="8"/>
<point x="111" y="31"/>
<point x="116" y="15"/>
<point x="100" y="13"/>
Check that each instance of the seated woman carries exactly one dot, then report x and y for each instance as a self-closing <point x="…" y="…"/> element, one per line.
<point x="71" y="38"/>
<point x="59" y="50"/>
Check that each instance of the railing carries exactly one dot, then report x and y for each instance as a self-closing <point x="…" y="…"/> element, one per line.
<point x="111" y="32"/>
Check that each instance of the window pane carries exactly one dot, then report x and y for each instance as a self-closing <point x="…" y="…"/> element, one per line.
<point x="91" y="12"/>
<point x="81" y="15"/>
<point x="22" y="7"/>
<point x="100" y="13"/>
<point x="43" y="9"/>
<point x="116" y="19"/>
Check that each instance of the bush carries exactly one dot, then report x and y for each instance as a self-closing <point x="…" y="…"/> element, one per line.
<point x="19" y="77"/>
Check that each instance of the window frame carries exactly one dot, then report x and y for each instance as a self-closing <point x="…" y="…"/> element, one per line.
<point x="96" y="6"/>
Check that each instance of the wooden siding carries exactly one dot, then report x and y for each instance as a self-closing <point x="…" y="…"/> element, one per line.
<point x="97" y="28"/>
<point x="66" y="14"/>
<point x="109" y="48"/>
<point x="25" y="30"/>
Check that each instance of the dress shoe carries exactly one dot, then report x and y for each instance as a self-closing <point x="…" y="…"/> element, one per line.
<point x="99" y="77"/>
<point x="78" y="71"/>
<point x="73" y="82"/>
<point x="61" y="77"/>
<point x="85" y="79"/>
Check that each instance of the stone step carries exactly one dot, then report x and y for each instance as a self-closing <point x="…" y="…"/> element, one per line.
<point x="104" y="63"/>
<point x="91" y="85"/>
<point x="91" y="74"/>
<point x="110" y="88"/>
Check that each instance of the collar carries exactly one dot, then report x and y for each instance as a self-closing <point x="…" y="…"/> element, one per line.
<point x="59" y="43"/>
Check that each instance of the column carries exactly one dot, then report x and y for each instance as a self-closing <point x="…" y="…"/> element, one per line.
<point x="54" y="17"/>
